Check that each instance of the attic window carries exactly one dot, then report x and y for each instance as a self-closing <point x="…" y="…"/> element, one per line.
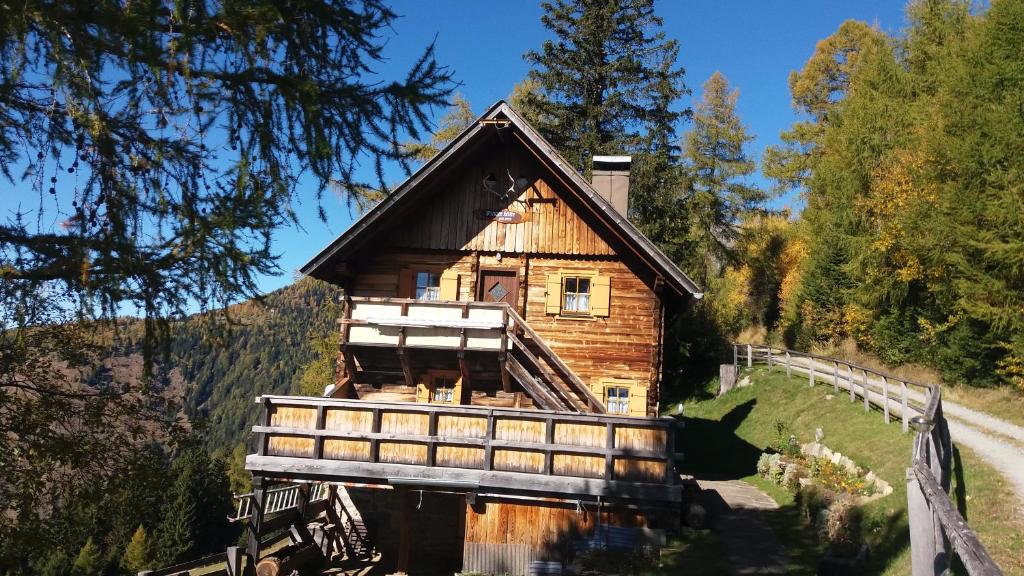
<point x="428" y="286"/>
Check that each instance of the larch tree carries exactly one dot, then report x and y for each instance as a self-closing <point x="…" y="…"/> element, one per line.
<point x="815" y="90"/>
<point x="155" y="147"/>
<point x="719" y="192"/>
<point x="459" y="117"/>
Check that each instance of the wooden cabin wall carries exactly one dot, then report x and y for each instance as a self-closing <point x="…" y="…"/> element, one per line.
<point x="624" y="345"/>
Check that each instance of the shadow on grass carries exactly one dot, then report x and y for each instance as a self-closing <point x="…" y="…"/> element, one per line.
<point x="712" y="447"/>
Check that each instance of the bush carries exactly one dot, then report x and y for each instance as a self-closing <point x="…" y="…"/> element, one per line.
<point x="763" y="464"/>
<point x="811" y="500"/>
<point x="842" y="527"/>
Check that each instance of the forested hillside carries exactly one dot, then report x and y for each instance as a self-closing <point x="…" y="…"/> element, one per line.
<point x="909" y="158"/>
<point x="264" y="352"/>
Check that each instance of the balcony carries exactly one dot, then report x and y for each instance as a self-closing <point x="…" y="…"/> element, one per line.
<point x="466" y="448"/>
<point x="498" y="338"/>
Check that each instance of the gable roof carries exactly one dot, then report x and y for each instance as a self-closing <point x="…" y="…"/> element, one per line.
<point x="320" y="266"/>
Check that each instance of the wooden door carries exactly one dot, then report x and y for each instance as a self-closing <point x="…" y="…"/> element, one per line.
<point x="499" y="285"/>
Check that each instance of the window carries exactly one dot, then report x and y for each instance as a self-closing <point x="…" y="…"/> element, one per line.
<point x="428" y="286"/>
<point x="444" y="391"/>
<point x="617" y="398"/>
<point x="576" y="295"/>
<point x="579" y="294"/>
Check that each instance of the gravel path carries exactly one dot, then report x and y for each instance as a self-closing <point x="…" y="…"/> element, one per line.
<point x="736" y="514"/>
<point x="998" y="442"/>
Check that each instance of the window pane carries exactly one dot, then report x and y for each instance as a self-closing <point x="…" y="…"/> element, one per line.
<point x="584" y="285"/>
<point x="570" y="302"/>
<point x="570" y="284"/>
<point x="582" y="302"/>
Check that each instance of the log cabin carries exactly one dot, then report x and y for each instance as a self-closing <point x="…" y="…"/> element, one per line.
<point x="500" y="359"/>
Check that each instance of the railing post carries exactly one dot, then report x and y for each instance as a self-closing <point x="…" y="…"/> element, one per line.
<point x="835" y="377"/>
<point x="769" y="348"/>
<point x="810" y="373"/>
<point x="256" y="521"/>
<point x="750" y="356"/>
<point x="867" y="392"/>
<point x="904" y="407"/>
<point x="789" y="368"/>
<point x="885" y="398"/>
<point x="849" y="376"/>
<point x="735" y="355"/>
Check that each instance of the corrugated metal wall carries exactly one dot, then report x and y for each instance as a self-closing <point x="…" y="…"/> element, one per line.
<point x="498" y="559"/>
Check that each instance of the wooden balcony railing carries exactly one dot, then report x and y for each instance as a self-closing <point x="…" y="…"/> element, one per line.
<point x="480" y="449"/>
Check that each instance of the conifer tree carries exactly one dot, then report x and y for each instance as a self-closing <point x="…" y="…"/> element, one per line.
<point x="138" y="554"/>
<point x="89" y="561"/>
<point x="719" y="192"/>
<point x="605" y="77"/>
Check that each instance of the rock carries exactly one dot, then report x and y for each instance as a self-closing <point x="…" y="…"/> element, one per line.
<point x="696" y="516"/>
<point x="744" y="382"/>
<point x="819" y="435"/>
<point x="836" y="458"/>
<point x="829" y="396"/>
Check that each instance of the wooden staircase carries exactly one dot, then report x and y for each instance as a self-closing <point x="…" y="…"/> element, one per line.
<point x="534" y="365"/>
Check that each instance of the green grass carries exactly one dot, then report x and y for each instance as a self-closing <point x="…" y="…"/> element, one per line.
<point x="725" y="436"/>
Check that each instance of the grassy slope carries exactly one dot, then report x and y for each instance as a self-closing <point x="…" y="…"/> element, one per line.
<point x="725" y="436"/>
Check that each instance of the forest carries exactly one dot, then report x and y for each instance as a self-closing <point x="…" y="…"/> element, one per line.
<point x="905" y="173"/>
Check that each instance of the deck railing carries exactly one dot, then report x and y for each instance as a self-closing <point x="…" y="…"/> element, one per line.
<point x="937" y="530"/>
<point x="482" y="449"/>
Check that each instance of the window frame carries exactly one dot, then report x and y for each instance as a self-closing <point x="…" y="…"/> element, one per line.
<point x="565" y="277"/>
<point x="620" y="401"/>
<point x="416" y="284"/>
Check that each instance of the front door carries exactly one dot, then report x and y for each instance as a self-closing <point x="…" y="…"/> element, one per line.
<point x="499" y="285"/>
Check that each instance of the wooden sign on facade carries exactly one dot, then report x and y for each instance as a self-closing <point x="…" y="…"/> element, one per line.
<point x="502" y="215"/>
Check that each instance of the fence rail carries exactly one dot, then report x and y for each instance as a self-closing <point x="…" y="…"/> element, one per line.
<point x="937" y="530"/>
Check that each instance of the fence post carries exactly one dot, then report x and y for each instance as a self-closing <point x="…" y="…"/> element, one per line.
<point x="922" y="529"/>
<point x="867" y="392"/>
<point x="750" y="356"/>
<point x="735" y="355"/>
<point x="810" y="375"/>
<point x="885" y="398"/>
<point x="849" y="376"/>
<point x="234" y="561"/>
<point x="789" y="372"/>
<point x="903" y="402"/>
<point x="769" y="348"/>
<point x="835" y="377"/>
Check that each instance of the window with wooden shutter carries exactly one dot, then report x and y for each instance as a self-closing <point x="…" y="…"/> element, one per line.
<point x="449" y="285"/>
<point x="440" y="387"/>
<point x="622" y="396"/>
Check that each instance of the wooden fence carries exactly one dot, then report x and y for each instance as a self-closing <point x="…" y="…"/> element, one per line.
<point x="937" y="530"/>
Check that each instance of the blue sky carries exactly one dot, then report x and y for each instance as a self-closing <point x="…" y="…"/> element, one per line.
<point x="754" y="43"/>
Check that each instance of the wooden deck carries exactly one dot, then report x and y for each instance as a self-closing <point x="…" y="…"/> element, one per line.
<point x="466" y="448"/>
